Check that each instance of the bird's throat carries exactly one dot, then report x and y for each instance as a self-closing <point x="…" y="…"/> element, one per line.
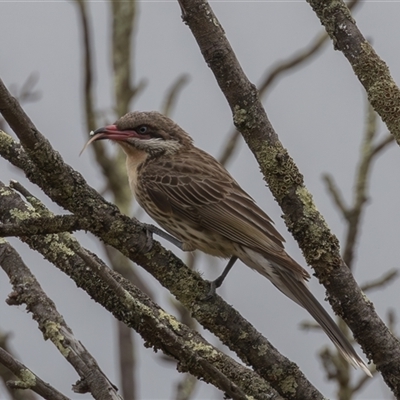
<point x="134" y="158"/>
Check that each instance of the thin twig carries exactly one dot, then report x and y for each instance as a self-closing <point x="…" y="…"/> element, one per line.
<point x="380" y="282"/>
<point x="382" y="145"/>
<point x="336" y="194"/>
<point x="171" y="97"/>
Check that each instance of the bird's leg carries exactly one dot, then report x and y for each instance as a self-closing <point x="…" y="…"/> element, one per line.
<point x="218" y="282"/>
<point x="153" y="229"/>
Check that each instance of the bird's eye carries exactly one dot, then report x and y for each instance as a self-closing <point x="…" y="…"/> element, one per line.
<point x="142" y="129"/>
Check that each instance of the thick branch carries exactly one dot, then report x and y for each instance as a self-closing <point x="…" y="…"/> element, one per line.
<point x="42" y="225"/>
<point x="27" y="379"/>
<point x="372" y="72"/>
<point x="28" y="291"/>
<point x="127" y="303"/>
<point x="319" y="245"/>
<point x="129" y="237"/>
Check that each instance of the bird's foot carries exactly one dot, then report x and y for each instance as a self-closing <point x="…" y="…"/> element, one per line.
<point x="218" y="282"/>
<point x="212" y="291"/>
<point x="149" y="241"/>
<point x="159" y="232"/>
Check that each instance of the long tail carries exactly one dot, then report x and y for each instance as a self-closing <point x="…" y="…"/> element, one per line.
<point x="310" y="303"/>
<point x="297" y="290"/>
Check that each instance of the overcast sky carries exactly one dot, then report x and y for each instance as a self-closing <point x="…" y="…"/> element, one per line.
<point x="318" y="112"/>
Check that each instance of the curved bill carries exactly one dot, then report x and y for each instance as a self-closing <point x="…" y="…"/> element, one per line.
<point x="92" y="139"/>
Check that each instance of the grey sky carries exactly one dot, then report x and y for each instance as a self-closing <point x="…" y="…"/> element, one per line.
<point x="318" y="113"/>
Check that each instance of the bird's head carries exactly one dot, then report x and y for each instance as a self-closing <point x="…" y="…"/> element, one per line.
<point x="151" y="132"/>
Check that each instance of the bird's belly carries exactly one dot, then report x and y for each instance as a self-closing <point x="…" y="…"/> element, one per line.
<point x="195" y="237"/>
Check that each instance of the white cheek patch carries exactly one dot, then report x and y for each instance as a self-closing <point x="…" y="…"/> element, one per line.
<point x="158" y="145"/>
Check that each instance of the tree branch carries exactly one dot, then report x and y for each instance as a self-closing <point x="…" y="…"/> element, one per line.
<point x="172" y="94"/>
<point x="127" y="303"/>
<point x="352" y="215"/>
<point x="28" y="291"/>
<point x="383" y="280"/>
<point x="7" y="375"/>
<point x="27" y="379"/>
<point x="372" y="72"/>
<point x="42" y="225"/>
<point x="336" y="194"/>
<point x="128" y="236"/>
<point x="319" y="245"/>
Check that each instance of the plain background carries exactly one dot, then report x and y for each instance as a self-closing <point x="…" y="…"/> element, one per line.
<point x="318" y="112"/>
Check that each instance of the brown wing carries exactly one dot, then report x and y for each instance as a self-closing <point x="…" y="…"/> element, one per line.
<point x="198" y="188"/>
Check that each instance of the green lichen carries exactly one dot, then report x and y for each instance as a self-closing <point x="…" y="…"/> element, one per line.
<point x="239" y="116"/>
<point x="57" y="244"/>
<point x="52" y="331"/>
<point x="243" y="335"/>
<point x="21" y="215"/>
<point x="278" y="168"/>
<point x="263" y="349"/>
<point x="28" y="379"/>
<point x="327" y="13"/>
<point x="309" y="207"/>
<point x="203" y="348"/>
<point x="289" y="385"/>
<point x="383" y="93"/>
<point x="176" y="325"/>
<point x="5" y="192"/>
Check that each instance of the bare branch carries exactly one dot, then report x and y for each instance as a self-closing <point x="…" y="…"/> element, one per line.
<point x="52" y="324"/>
<point x="27" y="379"/>
<point x="295" y="60"/>
<point x="319" y="245"/>
<point x="372" y="72"/>
<point x="7" y="375"/>
<point x="230" y="147"/>
<point x="42" y="226"/>
<point x="336" y="195"/>
<point x="172" y="95"/>
<point x="123" y="16"/>
<point x="382" y="281"/>
<point x="389" y="139"/>
<point x="353" y="215"/>
<point x="88" y="66"/>
<point x="174" y="344"/>
<point x="27" y="93"/>
<point x="291" y="62"/>
<point x="185" y="388"/>
<point x="130" y="238"/>
<point x="362" y="381"/>
<point x="127" y="303"/>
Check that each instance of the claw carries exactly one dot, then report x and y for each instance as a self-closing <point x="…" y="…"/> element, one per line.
<point x="153" y="229"/>
<point x="212" y="291"/>
<point x="149" y="241"/>
<point x="218" y="282"/>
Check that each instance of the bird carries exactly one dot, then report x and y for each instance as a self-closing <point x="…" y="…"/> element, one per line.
<point x="196" y="200"/>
